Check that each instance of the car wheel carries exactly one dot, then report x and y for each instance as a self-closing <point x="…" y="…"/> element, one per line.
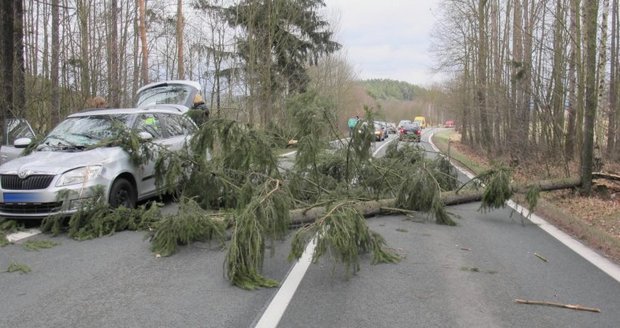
<point x="122" y="193"/>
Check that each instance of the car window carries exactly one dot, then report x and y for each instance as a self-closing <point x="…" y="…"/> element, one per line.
<point x="165" y="94"/>
<point x="84" y="130"/>
<point x="16" y="128"/>
<point x="186" y="123"/>
<point x="171" y="126"/>
<point x="149" y="122"/>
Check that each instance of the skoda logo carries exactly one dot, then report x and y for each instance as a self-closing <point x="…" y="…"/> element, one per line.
<point x="23" y="174"/>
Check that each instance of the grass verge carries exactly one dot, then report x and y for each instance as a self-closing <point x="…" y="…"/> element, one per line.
<point x="449" y="143"/>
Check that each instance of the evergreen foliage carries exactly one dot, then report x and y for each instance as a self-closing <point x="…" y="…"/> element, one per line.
<point x="292" y="32"/>
<point x="344" y="235"/>
<point x="190" y="224"/>
<point x="18" y="267"/>
<point x="531" y="197"/>
<point x="265" y="217"/>
<point x="421" y="191"/>
<point x="95" y="218"/>
<point x="35" y="245"/>
<point x="497" y="188"/>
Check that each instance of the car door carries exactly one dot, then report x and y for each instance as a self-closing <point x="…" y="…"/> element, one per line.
<point x="170" y="131"/>
<point x="151" y="123"/>
<point x="14" y="128"/>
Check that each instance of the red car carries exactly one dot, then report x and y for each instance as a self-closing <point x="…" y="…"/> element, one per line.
<point x="449" y="124"/>
<point x="410" y="132"/>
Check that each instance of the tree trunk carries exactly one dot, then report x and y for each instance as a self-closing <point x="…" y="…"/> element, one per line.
<point x="375" y="207"/>
<point x="613" y="86"/>
<point x="590" y="25"/>
<point x="557" y="95"/>
<point x="19" y="83"/>
<point x="179" y="34"/>
<point x="600" y="69"/>
<point x="54" y="65"/>
<point x="145" y="49"/>
<point x="114" y="85"/>
<point x="85" y="84"/>
<point x="6" y="64"/>
<point x="569" y="150"/>
<point x="481" y="66"/>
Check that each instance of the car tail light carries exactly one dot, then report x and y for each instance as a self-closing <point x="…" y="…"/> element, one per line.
<point x="418" y="132"/>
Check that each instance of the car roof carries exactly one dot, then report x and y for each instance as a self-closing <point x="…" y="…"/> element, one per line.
<point x="159" y="108"/>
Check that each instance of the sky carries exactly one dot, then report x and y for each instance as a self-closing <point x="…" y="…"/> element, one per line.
<point x="386" y="39"/>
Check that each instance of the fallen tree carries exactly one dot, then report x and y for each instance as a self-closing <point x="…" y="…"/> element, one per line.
<point x="387" y="206"/>
<point x="234" y="191"/>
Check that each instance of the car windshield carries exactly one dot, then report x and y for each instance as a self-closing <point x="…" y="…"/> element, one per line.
<point x="83" y="131"/>
<point x="165" y="94"/>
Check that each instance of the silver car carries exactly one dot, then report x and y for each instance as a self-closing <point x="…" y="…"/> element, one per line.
<point x="71" y="160"/>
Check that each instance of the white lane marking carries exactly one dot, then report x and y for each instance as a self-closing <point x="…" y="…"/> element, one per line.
<point x="381" y="147"/>
<point x="276" y="308"/>
<point x="272" y="315"/>
<point x="22" y="235"/>
<point x="605" y="265"/>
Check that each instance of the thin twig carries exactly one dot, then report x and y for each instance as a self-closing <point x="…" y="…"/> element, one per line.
<point x="541" y="257"/>
<point x="401" y="210"/>
<point x="566" y="306"/>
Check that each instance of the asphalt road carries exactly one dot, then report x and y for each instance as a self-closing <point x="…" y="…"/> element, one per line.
<point x="463" y="276"/>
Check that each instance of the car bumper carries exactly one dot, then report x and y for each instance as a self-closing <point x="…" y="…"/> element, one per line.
<point x="38" y="204"/>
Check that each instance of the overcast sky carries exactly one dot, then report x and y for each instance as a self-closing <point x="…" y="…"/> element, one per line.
<point x="388" y="39"/>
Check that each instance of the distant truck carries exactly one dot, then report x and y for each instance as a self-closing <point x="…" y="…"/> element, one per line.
<point x="421" y="120"/>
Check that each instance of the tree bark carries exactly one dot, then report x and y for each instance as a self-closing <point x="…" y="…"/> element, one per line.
<point x="179" y="33"/>
<point x="573" y="101"/>
<point x="590" y="24"/>
<point x="613" y="86"/>
<point x="6" y="61"/>
<point x="145" y="49"/>
<point x="54" y="65"/>
<point x="376" y="207"/>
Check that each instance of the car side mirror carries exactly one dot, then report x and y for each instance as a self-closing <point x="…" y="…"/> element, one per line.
<point x="145" y="136"/>
<point x="22" y="142"/>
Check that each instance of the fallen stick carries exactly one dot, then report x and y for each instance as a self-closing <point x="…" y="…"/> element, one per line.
<point x="566" y="306"/>
<point x="540" y="257"/>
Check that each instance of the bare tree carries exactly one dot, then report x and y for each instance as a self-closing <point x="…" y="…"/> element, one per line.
<point x="613" y="84"/>
<point x="144" y="48"/>
<point x="179" y="37"/>
<point x="590" y="25"/>
<point x="54" y="67"/>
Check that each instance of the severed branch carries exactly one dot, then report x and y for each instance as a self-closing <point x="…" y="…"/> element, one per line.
<point x="566" y="306"/>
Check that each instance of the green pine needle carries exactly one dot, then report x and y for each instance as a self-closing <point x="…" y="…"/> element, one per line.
<point x="18" y="267"/>
<point x="36" y="245"/>
<point x="344" y="235"/>
<point x="190" y="224"/>
<point x="497" y="188"/>
<point x="265" y="218"/>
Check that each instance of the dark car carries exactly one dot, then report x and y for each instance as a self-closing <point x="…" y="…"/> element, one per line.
<point x="410" y="132"/>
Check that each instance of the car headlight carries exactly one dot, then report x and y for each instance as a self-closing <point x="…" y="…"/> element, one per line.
<point x="79" y="175"/>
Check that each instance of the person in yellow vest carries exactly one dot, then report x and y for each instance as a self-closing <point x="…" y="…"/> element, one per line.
<point x="199" y="112"/>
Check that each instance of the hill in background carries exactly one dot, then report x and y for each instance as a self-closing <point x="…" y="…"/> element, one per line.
<point x="383" y="89"/>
